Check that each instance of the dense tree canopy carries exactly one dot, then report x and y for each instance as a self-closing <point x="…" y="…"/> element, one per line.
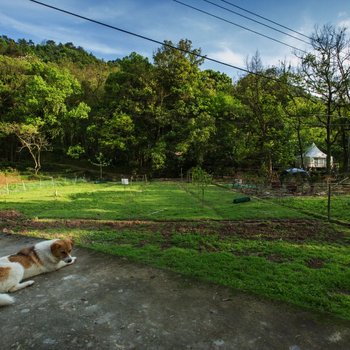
<point x="60" y="102"/>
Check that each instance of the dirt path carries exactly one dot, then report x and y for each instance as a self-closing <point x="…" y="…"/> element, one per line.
<point x="104" y="302"/>
<point x="295" y="230"/>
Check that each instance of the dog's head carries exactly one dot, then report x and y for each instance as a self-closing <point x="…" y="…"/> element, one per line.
<point x="62" y="248"/>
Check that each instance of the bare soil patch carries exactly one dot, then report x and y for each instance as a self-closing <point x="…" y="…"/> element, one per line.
<point x="289" y="230"/>
<point x="9" y="179"/>
<point x="315" y="263"/>
<point x="8" y="215"/>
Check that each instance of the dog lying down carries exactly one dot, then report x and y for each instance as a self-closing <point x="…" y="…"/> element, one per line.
<point x="43" y="257"/>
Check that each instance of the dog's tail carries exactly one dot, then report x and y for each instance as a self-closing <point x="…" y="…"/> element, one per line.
<point x="5" y="299"/>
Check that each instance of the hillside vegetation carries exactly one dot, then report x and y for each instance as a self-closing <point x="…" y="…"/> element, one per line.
<point x="166" y="115"/>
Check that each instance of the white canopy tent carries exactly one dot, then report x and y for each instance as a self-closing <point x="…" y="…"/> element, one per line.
<point x="314" y="158"/>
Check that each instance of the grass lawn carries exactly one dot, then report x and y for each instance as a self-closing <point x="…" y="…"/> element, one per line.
<point x="154" y="201"/>
<point x="285" y="256"/>
<point x="340" y="206"/>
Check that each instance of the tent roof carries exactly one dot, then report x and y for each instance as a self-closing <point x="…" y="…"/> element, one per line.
<point x="314" y="152"/>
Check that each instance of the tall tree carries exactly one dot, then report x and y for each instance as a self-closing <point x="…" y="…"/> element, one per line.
<point x="302" y="112"/>
<point x="269" y="133"/>
<point x="326" y="74"/>
<point x="32" y="140"/>
<point x="226" y="146"/>
<point x="185" y="124"/>
<point x="13" y="79"/>
<point x="126" y="123"/>
<point x="40" y="104"/>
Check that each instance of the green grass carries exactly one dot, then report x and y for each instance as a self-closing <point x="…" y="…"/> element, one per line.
<point x="155" y="201"/>
<point x="340" y="206"/>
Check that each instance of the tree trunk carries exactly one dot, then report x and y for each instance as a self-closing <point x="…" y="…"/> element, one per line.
<point x="328" y="137"/>
<point x="300" y="146"/>
<point x="345" y="142"/>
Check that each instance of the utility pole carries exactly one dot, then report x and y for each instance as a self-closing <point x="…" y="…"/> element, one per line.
<point x="329" y="201"/>
<point x="348" y="165"/>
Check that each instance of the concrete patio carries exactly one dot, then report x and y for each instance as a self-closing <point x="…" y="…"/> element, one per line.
<point x="105" y="302"/>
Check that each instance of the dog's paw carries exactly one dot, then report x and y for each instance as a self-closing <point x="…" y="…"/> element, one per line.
<point x="74" y="258"/>
<point x="29" y="283"/>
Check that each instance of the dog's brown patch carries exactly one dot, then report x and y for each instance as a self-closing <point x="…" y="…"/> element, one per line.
<point x="26" y="257"/>
<point x="4" y="272"/>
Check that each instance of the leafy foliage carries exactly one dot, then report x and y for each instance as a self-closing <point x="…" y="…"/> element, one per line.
<point x="161" y="116"/>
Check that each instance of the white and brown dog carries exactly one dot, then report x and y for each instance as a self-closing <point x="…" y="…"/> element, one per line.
<point x="43" y="257"/>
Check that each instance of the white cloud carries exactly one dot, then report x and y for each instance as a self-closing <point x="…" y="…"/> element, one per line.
<point x="342" y="14"/>
<point x="225" y="54"/>
<point x="103" y="13"/>
<point x="59" y="34"/>
<point x="344" y="23"/>
<point x="33" y="29"/>
<point x="99" y="48"/>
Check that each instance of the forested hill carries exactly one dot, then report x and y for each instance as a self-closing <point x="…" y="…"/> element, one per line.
<point x="47" y="51"/>
<point x="59" y="103"/>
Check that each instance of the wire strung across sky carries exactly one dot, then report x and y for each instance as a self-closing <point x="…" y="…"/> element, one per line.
<point x="162" y="43"/>
<point x="266" y="19"/>
<point x="237" y="25"/>
<point x="255" y="21"/>
<point x="170" y="46"/>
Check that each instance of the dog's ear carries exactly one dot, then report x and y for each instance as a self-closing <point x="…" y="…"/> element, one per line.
<point x="55" y="247"/>
<point x="70" y="240"/>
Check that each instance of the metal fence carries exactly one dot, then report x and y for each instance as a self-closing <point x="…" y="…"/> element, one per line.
<point x="23" y="186"/>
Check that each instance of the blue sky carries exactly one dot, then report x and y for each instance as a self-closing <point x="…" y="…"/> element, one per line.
<point x="168" y="20"/>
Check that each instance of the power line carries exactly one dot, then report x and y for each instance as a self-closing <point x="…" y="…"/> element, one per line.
<point x="145" y="38"/>
<point x="238" y="25"/>
<point x="253" y="20"/>
<point x="161" y="43"/>
<point x="266" y="19"/>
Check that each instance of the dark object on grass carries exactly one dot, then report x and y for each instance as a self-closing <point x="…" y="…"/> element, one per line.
<point x="101" y="181"/>
<point x="241" y="200"/>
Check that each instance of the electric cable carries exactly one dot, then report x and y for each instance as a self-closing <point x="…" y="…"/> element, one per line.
<point x="161" y="43"/>
<point x="237" y="25"/>
<point x="266" y="19"/>
<point x="253" y="20"/>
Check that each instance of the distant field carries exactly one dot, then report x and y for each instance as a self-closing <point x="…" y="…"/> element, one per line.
<point x="152" y="201"/>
